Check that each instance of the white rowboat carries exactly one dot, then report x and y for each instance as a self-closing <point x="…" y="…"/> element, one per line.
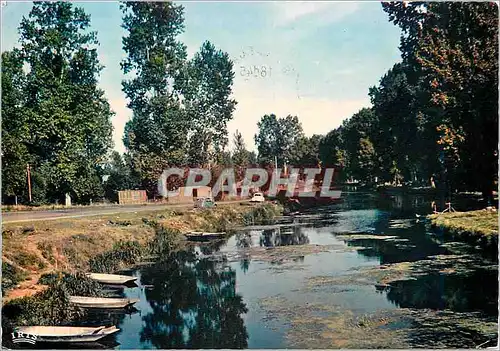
<point x="66" y="334"/>
<point x="101" y="302"/>
<point x="111" y="278"/>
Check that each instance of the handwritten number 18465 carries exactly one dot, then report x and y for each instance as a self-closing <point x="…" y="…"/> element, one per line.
<point x="255" y="71"/>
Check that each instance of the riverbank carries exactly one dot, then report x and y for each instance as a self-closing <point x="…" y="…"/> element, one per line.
<point x="347" y="276"/>
<point x="44" y="263"/>
<point x="103" y="242"/>
<point x="474" y="227"/>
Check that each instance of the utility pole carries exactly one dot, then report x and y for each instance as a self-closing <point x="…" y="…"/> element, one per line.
<point x="28" y="169"/>
<point x="277" y="173"/>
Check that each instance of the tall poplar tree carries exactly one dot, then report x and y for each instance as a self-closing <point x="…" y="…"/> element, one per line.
<point x="62" y="119"/>
<point x="156" y="136"/>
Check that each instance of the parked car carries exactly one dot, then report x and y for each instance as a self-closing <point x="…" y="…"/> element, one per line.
<point x="257" y="197"/>
<point x="205" y="202"/>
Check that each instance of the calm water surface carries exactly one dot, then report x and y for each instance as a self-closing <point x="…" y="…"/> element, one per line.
<point x="200" y="300"/>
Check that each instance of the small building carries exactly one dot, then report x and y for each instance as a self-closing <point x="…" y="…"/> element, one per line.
<point x="128" y="197"/>
<point x="202" y="191"/>
<point x="190" y="194"/>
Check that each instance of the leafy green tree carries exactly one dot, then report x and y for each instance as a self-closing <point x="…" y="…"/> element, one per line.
<point x="276" y="138"/>
<point x="454" y="48"/>
<point x="224" y="158"/>
<point x="267" y="139"/>
<point x="252" y="158"/>
<point x="405" y="127"/>
<point x="67" y="116"/>
<point x="156" y="136"/>
<point x="364" y="167"/>
<point x="357" y="135"/>
<point x="331" y="149"/>
<point x="15" y="131"/>
<point x="241" y="156"/>
<point x="305" y="152"/>
<point x="207" y="92"/>
<point x="119" y="177"/>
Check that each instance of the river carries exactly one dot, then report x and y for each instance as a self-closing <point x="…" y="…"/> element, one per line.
<point x="320" y="281"/>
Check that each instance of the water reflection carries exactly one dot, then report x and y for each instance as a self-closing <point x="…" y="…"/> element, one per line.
<point x="414" y="248"/>
<point x="243" y="240"/>
<point x="244" y="265"/>
<point x="210" y="247"/>
<point x="459" y="291"/>
<point x="456" y="292"/>
<point x="400" y="204"/>
<point x="194" y="304"/>
<point x="106" y="343"/>
<point x="283" y="236"/>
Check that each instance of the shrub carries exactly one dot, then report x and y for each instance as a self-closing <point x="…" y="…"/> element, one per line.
<point x="26" y="260"/>
<point x="11" y="276"/>
<point x="263" y="214"/>
<point x="123" y="253"/>
<point x="166" y="240"/>
<point x="51" y="306"/>
<point x="75" y="284"/>
<point x="47" y="251"/>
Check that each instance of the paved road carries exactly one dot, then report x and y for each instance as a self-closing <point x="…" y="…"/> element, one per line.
<point x="77" y="212"/>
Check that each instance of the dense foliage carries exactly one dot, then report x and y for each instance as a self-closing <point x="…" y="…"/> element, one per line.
<point x="434" y="116"/>
<point x="433" y="119"/>
<point x="180" y="106"/>
<point x="54" y="117"/>
<point x="450" y="57"/>
<point x="276" y="138"/>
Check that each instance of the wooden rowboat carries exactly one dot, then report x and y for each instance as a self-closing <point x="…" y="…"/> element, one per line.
<point x="64" y="334"/>
<point x="111" y="278"/>
<point x="101" y="302"/>
<point x="203" y="236"/>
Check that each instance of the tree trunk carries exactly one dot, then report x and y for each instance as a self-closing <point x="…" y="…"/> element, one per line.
<point x="487" y="193"/>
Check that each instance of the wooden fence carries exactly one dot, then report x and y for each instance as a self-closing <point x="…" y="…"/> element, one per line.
<point x="126" y="197"/>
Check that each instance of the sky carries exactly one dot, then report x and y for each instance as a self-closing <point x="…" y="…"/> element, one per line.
<point x="319" y="58"/>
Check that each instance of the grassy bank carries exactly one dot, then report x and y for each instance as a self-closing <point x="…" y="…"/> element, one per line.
<point x="105" y="243"/>
<point x="476" y="227"/>
<point x="44" y="264"/>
